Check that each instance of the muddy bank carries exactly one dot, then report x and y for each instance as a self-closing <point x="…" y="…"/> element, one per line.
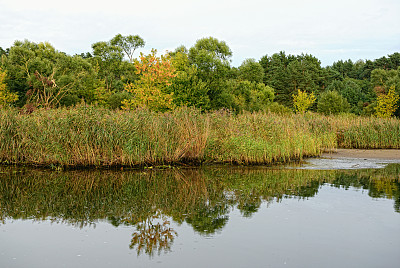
<point x="391" y="154"/>
<point x="353" y="159"/>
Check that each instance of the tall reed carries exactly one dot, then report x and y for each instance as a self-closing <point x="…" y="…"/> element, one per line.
<point x="91" y="136"/>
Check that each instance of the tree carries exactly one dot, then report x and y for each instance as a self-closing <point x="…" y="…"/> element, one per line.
<point x="6" y="96"/>
<point x="331" y="102"/>
<point x="128" y="44"/>
<point x="28" y="63"/>
<point x="352" y="90"/>
<point x="275" y="68"/>
<point x="387" y="103"/>
<point x="149" y="91"/>
<point x="305" y="73"/>
<point x="249" y="96"/>
<point x="251" y="70"/>
<point x="187" y="87"/>
<point x="288" y="73"/>
<point x="302" y="101"/>
<point x="211" y="57"/>
<point x="108" y="61"/>
<point x="381" y="79"/>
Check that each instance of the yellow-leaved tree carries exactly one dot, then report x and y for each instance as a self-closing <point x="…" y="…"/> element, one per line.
<point x="156" y="74"/>
<point x="6" y="96"/>
<point x="386" y="104"/>
<point x="302" y="101"/>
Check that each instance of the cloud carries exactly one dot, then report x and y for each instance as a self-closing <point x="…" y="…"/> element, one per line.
<point x="251" y="28"/>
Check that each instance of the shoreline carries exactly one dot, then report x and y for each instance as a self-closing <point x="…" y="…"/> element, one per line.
<point x="384" y="154"/>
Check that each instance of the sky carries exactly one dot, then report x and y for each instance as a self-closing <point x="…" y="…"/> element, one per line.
<point x="329" y="30"/>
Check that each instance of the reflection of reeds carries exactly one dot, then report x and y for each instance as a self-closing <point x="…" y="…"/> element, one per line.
<point x="83" y="197"/>
<point x="147" y="200"/>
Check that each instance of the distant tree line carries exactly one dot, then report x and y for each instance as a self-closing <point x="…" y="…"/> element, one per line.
<point x="201" y="76"/>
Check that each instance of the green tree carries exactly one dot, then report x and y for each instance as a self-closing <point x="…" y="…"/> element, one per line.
<point x="381" y="79"/>
<point x="331" y="102"/>
<point x="305" y="73"/>
<point x="6" y="96"/>
<point x="28" y="63"/>
<point x="248" y="96"/>
<point x="352" y="90"/>
<point x="108" y="61"/>
<point x="287" y="73"/>
<point x="187" y="87"/>
<point x="275" y="68"/>
<point x="251" y="70"/>
<point x="211" y="57"/>
<point x="128" y="44"/>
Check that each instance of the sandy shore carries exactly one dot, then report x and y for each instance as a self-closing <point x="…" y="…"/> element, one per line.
<point x="393" y="154"/>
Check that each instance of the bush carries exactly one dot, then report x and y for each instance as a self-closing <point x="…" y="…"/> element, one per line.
<point x="331" y="102"/>
<point x="277" y="108"/>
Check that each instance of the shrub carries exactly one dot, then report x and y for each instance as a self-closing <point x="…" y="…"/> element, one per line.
<point x="5" y="95"/>
<point x="331" y="102"/>
<point x="302" y="101"/>
<point x="387" y="103"/>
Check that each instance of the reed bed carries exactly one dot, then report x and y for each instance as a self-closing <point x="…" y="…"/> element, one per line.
<point x="92" y="136"/>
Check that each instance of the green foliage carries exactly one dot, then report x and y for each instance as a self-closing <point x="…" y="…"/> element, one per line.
<point x="288" y="73"/>
<point x="249" y="96"/>
<point x="187" y="87"/>
<point x="211" y="59"/>
<point x="115" y="101"/>
<point x="40" y="74"/>
<point x="382" y="79"/>
<point x="28" y="64"/>
<point x="331" y="102"/>
<point x="109" y="65"/>
<point x="352" y="90"/>
<point x="128" y="44"/>
<point x="6" y="97"/>
<point x="280" y="109"/>
<point x="251" y="70"/>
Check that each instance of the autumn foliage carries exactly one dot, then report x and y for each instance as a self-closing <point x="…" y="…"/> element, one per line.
<point x="156" y="74"/>
<point x="302" y="101"/>
<point x="387" y="103"/>
<point x="5" y="96"/>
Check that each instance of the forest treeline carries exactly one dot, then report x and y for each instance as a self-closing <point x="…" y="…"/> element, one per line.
<point x="115" y="75"/>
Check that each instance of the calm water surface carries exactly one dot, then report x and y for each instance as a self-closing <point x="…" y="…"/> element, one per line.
<point x="230" y="217"/>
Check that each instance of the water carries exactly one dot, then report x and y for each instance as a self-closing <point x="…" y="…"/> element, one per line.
<point x="213" y="217"/>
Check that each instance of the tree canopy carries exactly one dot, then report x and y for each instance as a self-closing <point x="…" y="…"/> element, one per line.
<point x="40" y="75"/>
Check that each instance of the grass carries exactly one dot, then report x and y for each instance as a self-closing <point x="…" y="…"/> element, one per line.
<point x="91" y="136"/>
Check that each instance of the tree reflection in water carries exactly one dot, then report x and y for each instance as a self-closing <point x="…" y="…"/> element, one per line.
<point x="153" y="234"/>
<point x="201" y="198"/>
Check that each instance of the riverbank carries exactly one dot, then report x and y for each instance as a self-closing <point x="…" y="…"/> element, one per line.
<point x="390" y="154"/>
<point x="88" y="136"/>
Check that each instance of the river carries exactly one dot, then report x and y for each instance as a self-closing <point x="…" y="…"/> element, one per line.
<point x="285" y="216"/>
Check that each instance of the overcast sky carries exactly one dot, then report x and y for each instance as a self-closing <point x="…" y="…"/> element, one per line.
<point x="329" y="30"/>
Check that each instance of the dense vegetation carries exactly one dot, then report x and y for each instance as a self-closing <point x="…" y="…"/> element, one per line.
<point x="94" y="136"/>
<point x="108" y="108"/>
<point x="201" y="76"/>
